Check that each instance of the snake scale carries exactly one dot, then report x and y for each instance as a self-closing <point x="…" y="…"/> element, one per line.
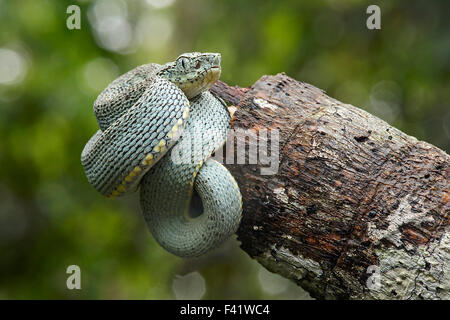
<point x="159" y="126"/>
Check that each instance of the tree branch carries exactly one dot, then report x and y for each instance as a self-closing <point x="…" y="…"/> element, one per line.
<point x="350" y="192"/>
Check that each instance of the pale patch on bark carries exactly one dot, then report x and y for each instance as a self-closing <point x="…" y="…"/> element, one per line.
<point x="423" y="274"/>
<point x="264" y="104"/>
<point x="281" y="195"/>
<point x="403" y="215"/>
<point x="283" y="261"/>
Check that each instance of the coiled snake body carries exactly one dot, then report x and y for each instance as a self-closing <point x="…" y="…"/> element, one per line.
<point x="159" y="126"/>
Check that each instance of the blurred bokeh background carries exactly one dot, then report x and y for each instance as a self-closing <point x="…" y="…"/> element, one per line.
<point x="50" y="217"/>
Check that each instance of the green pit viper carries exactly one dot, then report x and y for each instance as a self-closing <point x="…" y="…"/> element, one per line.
<point x="159" y="125"/>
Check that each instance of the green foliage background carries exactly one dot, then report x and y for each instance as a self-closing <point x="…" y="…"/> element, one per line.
<point x="50" y="217"/>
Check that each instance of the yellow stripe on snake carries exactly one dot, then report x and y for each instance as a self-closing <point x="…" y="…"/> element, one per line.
<point x="159" y="125"/>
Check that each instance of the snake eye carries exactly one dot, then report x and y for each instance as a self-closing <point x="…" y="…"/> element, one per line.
<point x="183" y="62"/>
<point x="198" y="65"/>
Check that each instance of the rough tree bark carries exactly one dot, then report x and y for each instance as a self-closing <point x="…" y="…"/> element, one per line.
<point x="353" y="196"/>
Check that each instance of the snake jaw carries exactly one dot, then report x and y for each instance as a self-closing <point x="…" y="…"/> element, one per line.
<point x="194" y="84"/>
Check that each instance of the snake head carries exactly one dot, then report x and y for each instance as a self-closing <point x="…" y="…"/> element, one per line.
<point x="193" y="72"/>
